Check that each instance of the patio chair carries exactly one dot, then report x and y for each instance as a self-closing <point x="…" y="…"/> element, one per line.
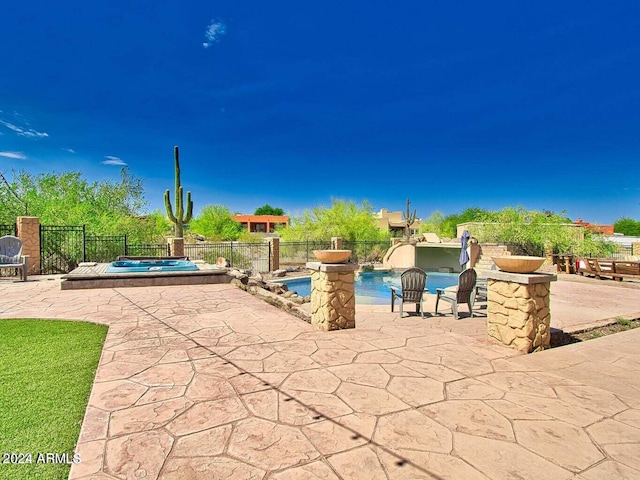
<point x="464" y="294"/>
<point x="11" y="255"/>
<point x="481" y="285"/>
<point x="413" y="283"/>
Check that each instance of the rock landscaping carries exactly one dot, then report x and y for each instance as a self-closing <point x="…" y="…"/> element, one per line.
<point x="275" y="294"/>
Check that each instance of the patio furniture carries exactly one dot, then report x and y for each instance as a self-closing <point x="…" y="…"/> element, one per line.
<point x="615" y="269"/>
<point x="11" y="255"/>
<point x="413" y="283"/>
<point x="481" y="288"/>
<point x="464" y="294"/>
<point x="481" y="284"/>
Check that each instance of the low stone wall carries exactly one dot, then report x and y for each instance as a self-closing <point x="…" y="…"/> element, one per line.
<point x="274" y="293"/>
<point x="518" y="311"/>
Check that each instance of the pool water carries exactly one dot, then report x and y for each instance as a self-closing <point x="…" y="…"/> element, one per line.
<point x="138" y="266"/>
<point x="373" y="288"/>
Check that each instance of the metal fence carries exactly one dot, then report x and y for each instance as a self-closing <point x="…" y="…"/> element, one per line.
<point x="8" y="229"/>
<point x="366" y="252"/>
<point x="526" y="248"/>
<point x="299" y="253"/>
<point x="104" y="248"/>
<point x="147" y="249"/>
<point x="62" y="248"/>
<point x="249" y="256"/>
<point x="619" y="252"/>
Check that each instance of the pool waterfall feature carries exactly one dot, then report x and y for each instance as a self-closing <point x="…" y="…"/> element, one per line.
<point x="430" y="256"/>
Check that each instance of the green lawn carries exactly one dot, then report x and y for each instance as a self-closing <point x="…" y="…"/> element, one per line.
<point x="47" y="368"/>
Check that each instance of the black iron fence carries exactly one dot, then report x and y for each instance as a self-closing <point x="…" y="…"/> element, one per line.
<point x="147" y="249"/>
<point x="366" y="252"/>
<point x="526" y="248"/>
<point x="62" y="248"/>
<point x="299" y="253"/>
<point x="615" y="252"/>
<point x="104" y="248"/>
<point x="249" y="256"/>
<point x="8" y="229"/>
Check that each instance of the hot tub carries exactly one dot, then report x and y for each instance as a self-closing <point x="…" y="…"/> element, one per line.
<point x="138" y="266"/>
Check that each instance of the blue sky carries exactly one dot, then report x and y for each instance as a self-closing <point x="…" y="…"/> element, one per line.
<point x="453" y="104"/>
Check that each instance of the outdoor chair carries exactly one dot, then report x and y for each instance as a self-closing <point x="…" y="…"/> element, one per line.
<point x="465" y="292"/>
<point x="11" y="255"/>
<point x="481" y="285"/>
<point x="413" y="283"/>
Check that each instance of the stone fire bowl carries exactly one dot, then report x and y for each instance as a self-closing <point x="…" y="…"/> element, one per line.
<point x="518" y="263"/>
<point x="332" y="256"/>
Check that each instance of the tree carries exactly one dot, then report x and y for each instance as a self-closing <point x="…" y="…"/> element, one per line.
<point x="267" y="209"/>
<point x="534" y="232"/>
<point x="627" y="226"/>
<point x="433" y="224"/>
<point x="216" y="223"/>
<point x="105" y="207"/>
<point x="449" y="224"/>
<point x="343" y="219"/>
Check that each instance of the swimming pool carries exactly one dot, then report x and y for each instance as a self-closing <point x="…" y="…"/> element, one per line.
<point x="373" y="288"/>
<point x="138" y="266"/>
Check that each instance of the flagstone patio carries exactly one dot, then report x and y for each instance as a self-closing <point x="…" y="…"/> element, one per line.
<point x="210" y="382"/>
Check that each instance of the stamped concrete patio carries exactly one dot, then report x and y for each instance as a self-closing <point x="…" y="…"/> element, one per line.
<point x="209" y="382"/>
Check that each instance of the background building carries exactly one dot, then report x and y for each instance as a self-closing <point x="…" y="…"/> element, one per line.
<point x="393" y="222"/>
<point x="261" y="223"/>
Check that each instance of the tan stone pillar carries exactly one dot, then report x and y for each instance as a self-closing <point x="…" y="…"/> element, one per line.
<point x="274" y="253"/>
<point x="518" y="311"/>
<point x="336" y="243"/>
<point x="635" y="248"/>
<point x="29" y="233"/>
<point x="176" y="247"/>
<point x="333" y="301"/>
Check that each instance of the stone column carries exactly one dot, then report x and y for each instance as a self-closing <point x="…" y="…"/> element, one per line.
<point x="29" y="233"/>
<point x="333" y="301"/>
<point x="274" y="253"/>
<point x="635" y="248"/>
<point x="336" y="243"/>
<point x="518" y="313"/>
<point x="176" y="247"/>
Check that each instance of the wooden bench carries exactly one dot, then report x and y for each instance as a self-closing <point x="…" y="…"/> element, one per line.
<point x="615" y="269"/>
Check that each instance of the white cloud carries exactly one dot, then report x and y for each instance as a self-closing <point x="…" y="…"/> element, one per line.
<point x="14" y="155"/>
<point x="70" y="150"/>
<point x="24" y="132"/>
<point x="110" y="160"/>
<point x="213" y="33"/>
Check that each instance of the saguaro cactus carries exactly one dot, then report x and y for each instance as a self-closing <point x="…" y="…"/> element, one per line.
<point x="408" y="219"/>
<point x="180" y="218"/>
